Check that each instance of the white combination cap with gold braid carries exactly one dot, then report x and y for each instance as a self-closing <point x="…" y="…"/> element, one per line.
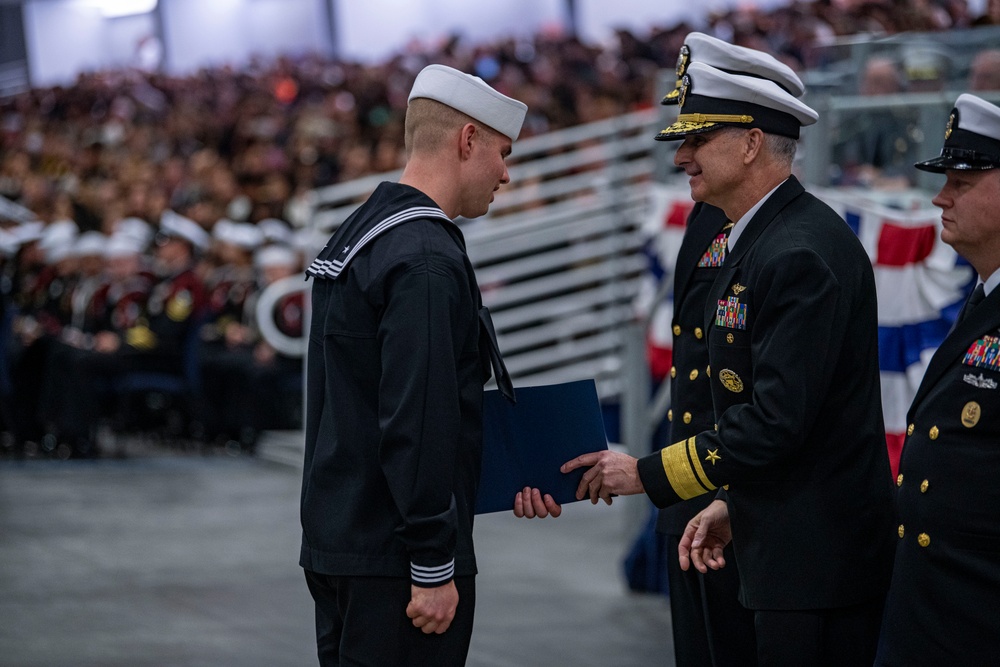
<point x="701" y="48"/>
<point x="711" y="99"/>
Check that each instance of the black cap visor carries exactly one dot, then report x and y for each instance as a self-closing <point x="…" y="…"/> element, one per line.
<point x="964" y="151"/>
<point x="959" y="159"/>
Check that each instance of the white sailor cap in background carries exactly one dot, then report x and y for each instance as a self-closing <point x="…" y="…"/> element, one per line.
<point x="701" y="48"/>
<point x="28" y="232"/>
<point x="175" y="225"/>
<point x="275" y="231"/>
<point x="711" y="99"/>
<point x="309" y="241"/>
<point x="9" y="243"/>
<point x="90" y="244"/>
<point x="472" y="96"/>
<point x="971" y="138"/>
<point x="277" y="255"/>
<point x="57" y="252"/>
<point x="137" y="228"/>
<point x="121" y="244"/>
<point x="240" y="234"/>
<point x="57" y="238"/>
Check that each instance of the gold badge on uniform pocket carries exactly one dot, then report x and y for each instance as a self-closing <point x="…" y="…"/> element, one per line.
<point x="731" y="381"/>
<point x="970" y="414"/>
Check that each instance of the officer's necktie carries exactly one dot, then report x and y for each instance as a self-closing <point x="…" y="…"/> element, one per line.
<point x="977" y="295"/>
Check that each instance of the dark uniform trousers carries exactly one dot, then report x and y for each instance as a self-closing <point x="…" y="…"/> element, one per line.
<point x="944" y="599"/>
<point x="381" y="634"/>
<point x="710" y="626"/>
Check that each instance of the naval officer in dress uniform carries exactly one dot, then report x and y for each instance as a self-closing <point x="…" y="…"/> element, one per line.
<point x="792" y="331"/>
<point x="710" y="626"/>
<point x="945" y="592"/>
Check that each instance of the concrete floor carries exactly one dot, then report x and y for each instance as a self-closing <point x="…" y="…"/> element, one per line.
<point x="184" y="560"/>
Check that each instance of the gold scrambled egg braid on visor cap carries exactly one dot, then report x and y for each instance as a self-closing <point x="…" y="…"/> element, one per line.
<point x="711" y="98"/>
<point x="701" y="48"/>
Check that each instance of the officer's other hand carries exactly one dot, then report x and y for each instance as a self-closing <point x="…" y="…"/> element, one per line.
<point x="433" y="609"/>
<point x="529" y="503"/>
<point x="704" y="538"/>
<point x="611" y="474"/>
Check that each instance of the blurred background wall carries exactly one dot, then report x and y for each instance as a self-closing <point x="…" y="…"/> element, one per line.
<point x="56" y="39"/>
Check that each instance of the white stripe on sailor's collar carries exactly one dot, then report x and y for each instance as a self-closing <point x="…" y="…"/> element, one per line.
<point x="321" y="268"/>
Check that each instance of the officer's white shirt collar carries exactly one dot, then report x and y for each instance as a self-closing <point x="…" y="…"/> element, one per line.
<point x="990" y="283"/>
<point x="742" y="223"/>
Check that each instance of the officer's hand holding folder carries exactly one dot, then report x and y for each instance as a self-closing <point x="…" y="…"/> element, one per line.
<point x="525" y="443"/>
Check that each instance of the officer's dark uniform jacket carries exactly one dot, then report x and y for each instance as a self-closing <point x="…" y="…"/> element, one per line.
<point x="699" y="261"/>
<point x="394" y="398"/>
<point x="793" y="362"/>
<point x="943" y="602"/>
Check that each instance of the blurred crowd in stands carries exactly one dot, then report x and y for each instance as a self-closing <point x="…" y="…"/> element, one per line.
<point x="162" y="205"/>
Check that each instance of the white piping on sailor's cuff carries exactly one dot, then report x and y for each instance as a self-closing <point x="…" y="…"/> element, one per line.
<point x="432" y="575"/>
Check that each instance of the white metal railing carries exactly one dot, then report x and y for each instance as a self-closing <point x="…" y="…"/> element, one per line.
<point x="13" y="78"/>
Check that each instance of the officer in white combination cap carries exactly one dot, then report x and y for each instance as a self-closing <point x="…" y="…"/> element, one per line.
<point x="945" y="586"/>
<point x="710" y="627"/>
<point x="398" y="354"/>
<point x="701" y="48"/>
<point x="796" y="458"/>
<point x="710" y="98"/>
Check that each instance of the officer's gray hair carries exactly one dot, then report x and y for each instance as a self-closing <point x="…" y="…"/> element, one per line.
<point x="782" y="149"/>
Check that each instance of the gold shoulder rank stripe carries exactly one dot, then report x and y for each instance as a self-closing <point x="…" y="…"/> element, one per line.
<point x="684" y="470"/>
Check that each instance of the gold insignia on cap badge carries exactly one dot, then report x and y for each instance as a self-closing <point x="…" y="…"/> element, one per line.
<point x="971" y="414"/>
<point x="948" y="128"/>
<point x="685" y="84"/>
<point x="683" y="58"/>
<point x="731" y="381"/>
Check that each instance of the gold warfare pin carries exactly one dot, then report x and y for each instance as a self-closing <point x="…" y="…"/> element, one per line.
<point x="971" y="414"/>
<point x="731" y="381"/>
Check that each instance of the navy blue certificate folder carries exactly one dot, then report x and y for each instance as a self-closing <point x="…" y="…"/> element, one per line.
<point x="524" y="444"/>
